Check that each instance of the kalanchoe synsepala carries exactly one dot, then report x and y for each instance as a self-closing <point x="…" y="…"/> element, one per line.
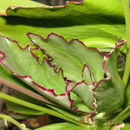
<point x="73" y="77"/>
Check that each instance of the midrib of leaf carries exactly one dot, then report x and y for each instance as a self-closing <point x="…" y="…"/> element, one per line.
<point x="122" y="115"/>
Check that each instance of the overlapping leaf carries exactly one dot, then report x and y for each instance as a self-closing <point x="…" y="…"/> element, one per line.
<point x="74" y="56"/>
<point x="65" y="55"/>
<point x="87" y="22"/>
<point x="97" y="92"/>
<point x="9" y="80"/>
<point x="23" y="64"/>
<point x="92" y="7"/>
<point x="96" y="86"/>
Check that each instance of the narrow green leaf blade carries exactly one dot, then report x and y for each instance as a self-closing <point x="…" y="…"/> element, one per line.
<point x="19" y="109"/>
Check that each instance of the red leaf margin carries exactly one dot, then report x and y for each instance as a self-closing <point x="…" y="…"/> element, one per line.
<point x="118" y="44"/>
<point x="60" y="69"/>
<point x="29" y="77"/>
<point x="49" y="7"/>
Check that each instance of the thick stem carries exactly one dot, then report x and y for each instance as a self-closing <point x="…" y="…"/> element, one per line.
<point x="127" y="19"/>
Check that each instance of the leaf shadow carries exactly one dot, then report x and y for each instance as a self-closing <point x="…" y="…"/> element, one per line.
<point x="65" y="21"/>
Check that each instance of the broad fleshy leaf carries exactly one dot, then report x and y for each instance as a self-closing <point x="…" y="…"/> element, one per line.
<point x="8" y="76"/>
<point x="87" y="7"/>
<point x="96" y="29"/>
<point x="41" y="77"/>
<point x="12" y="4"/>
<point x="75" y="55"/>
<point x="7" y="79"/>
<point x="106" y="86"/>
<point x="109" y="90"/>
<point x="71" y="56"/>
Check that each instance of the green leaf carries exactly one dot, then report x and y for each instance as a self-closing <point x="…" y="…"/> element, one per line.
<point x="97" y="27"/>
<point x="21" y="63"/>
<point x="63" y="126"/>
<point x="7" y="4"/>
<point x="74" y="55"/>
<point x="108" y="7"/>
<point x="105" y="90"/>
<point x="70" y="126"/>
<point x="6" y="75"/>
<point x="23" y="110"/>
<point x="14" y="107"/>
<point x="7" y="79"/>
<point x="85" y="93"/>
<point x="122" y="115"/>
<point x="38" y="108"/>
<point x="70" y="114"/>
<point x="18" y="116"/>
<point x="112" y="86"/>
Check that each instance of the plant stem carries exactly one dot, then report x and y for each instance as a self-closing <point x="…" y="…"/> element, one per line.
<point x="39" y="108"/>
<point x="122" y="116"/>
<point x="127" y="19"/>
<point x="8" y="118"/>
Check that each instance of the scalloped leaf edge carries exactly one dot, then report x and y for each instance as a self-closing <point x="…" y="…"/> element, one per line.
<point x="118" y="44"/>
<point x="53" y="66"/>
<point x="49" y="7"/>
<point x="51" y="91"/>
